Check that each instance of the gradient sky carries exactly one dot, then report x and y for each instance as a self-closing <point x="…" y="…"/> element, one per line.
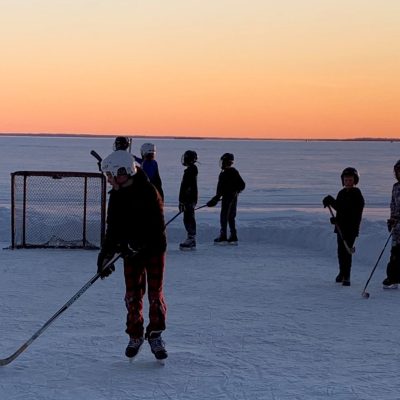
<point x="236" y="68"/>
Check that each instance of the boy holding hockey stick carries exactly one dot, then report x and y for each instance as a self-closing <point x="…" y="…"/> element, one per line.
<point x="135" y="221"/>
<point x="230" y="184"/>
<point x="349" y="205"/>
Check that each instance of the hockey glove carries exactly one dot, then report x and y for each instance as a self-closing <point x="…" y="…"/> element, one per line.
<point x="328" y="201"/>
<point x="181" y="207"/>
<point x="213" y="202"/>
<point x="102" y="259"/>
<point x="333" y="220"/>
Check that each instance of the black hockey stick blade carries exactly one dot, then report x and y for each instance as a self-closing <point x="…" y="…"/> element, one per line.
<point x="96" y="156"/>
<point x="72" y="300"/>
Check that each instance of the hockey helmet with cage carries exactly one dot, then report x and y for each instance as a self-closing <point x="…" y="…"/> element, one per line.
<point x="119" y="162"/>
<point x="121" y="143"/>
<point x="226" y="160"/>
<point x="350" y="171"/>
<point x="147" y="148"/>
<point x="189" y="157"/>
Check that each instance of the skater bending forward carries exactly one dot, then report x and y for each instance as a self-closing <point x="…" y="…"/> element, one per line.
<point x="136" y="229"/>
<point x="349" y="205"/>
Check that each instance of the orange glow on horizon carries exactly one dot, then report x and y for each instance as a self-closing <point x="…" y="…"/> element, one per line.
<point x="297" y="69"/>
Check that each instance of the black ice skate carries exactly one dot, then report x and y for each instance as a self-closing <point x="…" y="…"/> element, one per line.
<point x="188" y="244"/>
<point x="221" y="240"/>
<point x="157" y="345"/>
<point x="389" y="284"/>
<point x="233" y="239"/>
<point x="339" y="278"/>
<point x="133" y="347"/>
<point x="346" y="279"/>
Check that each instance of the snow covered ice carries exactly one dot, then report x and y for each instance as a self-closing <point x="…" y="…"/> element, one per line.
<point x="263" y="320"/>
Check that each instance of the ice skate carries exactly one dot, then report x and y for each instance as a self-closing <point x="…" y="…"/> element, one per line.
<point x="339" y="278"/>
<point x="133" y="347"/>
<point x="388" y="284"/>
<point x="233" y="239"/>
<point x="221" y="240"/>
<point x="157" y="345"/>
<point x="188" y="245"/>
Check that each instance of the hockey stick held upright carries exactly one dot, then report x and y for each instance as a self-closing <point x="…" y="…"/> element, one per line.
<point x="98" y="158"/>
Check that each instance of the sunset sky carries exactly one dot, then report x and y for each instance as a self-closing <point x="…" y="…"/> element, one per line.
<point x="226" y="68"/>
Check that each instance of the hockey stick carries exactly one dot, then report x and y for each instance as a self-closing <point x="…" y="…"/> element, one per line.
<point x="175" y="216"/>
<point x="180" y="212"/>
<point x="72" y="300"/>
<point x="350" y="250"/>
<point x="364" y="293"/>
<point x="98" y="158"/>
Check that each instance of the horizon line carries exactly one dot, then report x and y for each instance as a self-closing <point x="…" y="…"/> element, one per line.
<point x="108" y="135"/>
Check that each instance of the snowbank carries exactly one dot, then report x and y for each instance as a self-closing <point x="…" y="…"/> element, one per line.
<point x="289" y="228"/>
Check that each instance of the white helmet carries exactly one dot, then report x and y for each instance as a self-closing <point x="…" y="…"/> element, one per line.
<point x="119" y="162"/>
<point x="147" y="148"/>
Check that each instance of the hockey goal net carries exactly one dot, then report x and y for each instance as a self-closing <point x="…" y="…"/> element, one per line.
<point x="57" y="209"/>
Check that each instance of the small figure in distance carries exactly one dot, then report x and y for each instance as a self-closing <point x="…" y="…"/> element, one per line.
<point x="349" y="205"/>
<point x="150" y="165"/>
<point x="188" y="194"/>
<point x="122" y="143"/>
<point x="230" y="184"/>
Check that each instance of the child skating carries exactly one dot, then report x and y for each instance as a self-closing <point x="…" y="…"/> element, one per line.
<point x="188" y="194"/>
<point x="349" y="205"/>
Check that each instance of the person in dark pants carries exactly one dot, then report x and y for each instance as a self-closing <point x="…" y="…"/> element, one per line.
<point x="230" y="184"/>
<point x="136" y="229"/>
<point x="393" y="268"/>
<point x="188" y="194"/>
<point x="349" y="205"/>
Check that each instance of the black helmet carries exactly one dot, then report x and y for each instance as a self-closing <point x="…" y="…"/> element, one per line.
<point x="121" y="143"/>
<point x="189" y="157"/>
<point x="396" y="170"/>
<point x="350" y="171"/>
<point x="226" y="160"/>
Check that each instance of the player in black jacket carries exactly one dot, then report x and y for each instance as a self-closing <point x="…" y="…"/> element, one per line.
<point x="135" y="223"/>
<point x="188" y="194"/>
<point x="230" y="184"/>
<point x="349" y="205"/>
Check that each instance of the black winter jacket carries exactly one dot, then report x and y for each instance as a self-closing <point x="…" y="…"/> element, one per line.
<point x="188" y="192"/>
<point x="229" y="182"/>
<point x="349" y="205"/>
<point x="135" y="217"/>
